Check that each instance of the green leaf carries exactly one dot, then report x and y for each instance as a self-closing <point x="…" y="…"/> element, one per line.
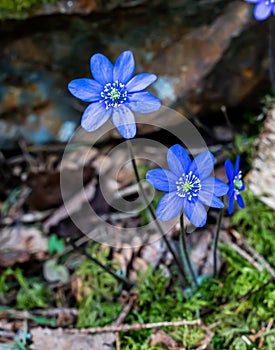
<point x="55" y="244"/>
<point x="44" y="320"/>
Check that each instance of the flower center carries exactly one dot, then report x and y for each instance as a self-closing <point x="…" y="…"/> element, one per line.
<point x="188" y="185"/>
<point x="238" y="183"/>
<point x="113" y="95"/>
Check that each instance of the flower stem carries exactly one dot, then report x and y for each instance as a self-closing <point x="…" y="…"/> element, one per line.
<point x="215" y="243"/>
<point x="186" y="258"/>
<point x="153" y="214"/>
<point x="128" y="285"/>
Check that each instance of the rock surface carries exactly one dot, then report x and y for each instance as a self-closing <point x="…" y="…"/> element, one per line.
<point x="262" y="176"/>
<point x="205" y="53"/>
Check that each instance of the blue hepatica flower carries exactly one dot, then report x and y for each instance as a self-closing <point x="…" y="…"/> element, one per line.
<point x="263" y="8"/>
<point x="236" y="184"/>
<point x="114" y="92"/>
<point x="189" y="186"/>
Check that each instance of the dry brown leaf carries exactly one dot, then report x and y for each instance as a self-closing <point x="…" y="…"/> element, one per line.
<point x="18" y="243"/>
<point x="73" y="205"/>
<point x="49" y="339"/>
<point x="160" y="337"/>
<point x="23" y="238"/>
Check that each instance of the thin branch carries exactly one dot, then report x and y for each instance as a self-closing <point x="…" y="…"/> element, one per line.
<point x="260" y="258"/>
<point x="133" y="327"/>
<point x="25" y="315"/>
<point x="255" y="259"/>
<point x="127" y="308"/>
<point x="243" y="254"/>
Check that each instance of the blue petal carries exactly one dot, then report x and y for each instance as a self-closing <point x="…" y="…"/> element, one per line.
<point x="262" y="11"/>
<point x="231" y="190"/>
<point x="210" y="199"/>
<point x="124" y="121"/>
<point x="140" y="82"/>
<point x="216" y="186"/>
<point x="237" y="164"/>
<point x="229" y="170"/>
<point x="231" y="205"/>
<point x="273" y="9"/>
<point x="101" y="68"/>
<point x="87" y="90"/>
<point x="178" y="160"/>
<point x="203" y="165"/>
<point x="124" y="67"/>
<point x="195" y="213"/>
<point x="169" y="206"/>
<point x="252" y="1"/>
<point x="243" y="187"/>
<point x="240" y="201"/>
<point x="162" y="179"/>
<point x="143" y="102"/>
<point x="94" y="116"/>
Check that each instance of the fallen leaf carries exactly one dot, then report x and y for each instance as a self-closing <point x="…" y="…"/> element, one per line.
<point x="18" y="243"/>
<point x="48" y="339"/>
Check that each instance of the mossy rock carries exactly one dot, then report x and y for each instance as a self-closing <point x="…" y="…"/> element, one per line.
<point x="19" y="8"/>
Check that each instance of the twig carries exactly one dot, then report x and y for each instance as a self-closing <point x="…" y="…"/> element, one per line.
<point x="246" y="256"/>
<point x="260" y="258"/>
<point x="127" y="308"/>
<point x="117" y="341"/>
<point x="242" y="253"/>
<point x="133" y="327"/>
<point x="25" y="315"/>
<point x="255" y="254"/>
<point x="7" y="334"/>
<point x="248" y="342"/>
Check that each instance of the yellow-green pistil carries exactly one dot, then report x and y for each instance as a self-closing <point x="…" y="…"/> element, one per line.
<point x="187" y="186"/>
<point x="238" y="184"/>
<point x="115" y="95"/>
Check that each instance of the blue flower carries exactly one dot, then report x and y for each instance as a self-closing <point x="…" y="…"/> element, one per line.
<point x="189" y="186"/>
<point x="263" y="8"/>
<point x="236" y="184"/>
<point x="114" y="92"/>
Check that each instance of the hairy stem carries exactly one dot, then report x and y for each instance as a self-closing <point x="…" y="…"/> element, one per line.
<point x="215" y="243"/>
<point x="153" y="214"/>
<point x="191" y="274"/>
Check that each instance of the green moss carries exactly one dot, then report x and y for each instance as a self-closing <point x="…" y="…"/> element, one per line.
<point x="18" y="8"/>
<point x="240" y="303"/>
<point x="98" y="306"/>
<point x="30" y="293"/>
<point x="256" y="223"/>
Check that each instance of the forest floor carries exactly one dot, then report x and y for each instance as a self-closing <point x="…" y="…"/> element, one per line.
<point x="55" y="294"/>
